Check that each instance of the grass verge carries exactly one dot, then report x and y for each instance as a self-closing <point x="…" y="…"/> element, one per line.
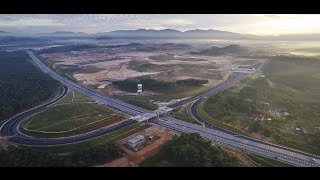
<point x="110" y="137"/>
<point x="267" y="162"/>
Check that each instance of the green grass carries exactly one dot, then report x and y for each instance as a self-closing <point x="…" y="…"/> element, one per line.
<point x="267" y="162"/>
<point x="142" y="104"/>
<point x="108" y="138"/>
<point x="70" y="119"/>
<point x="217" y="122"/>
<point x="71" y="115"/>
<point x="74" y="96"/>
<point x="184" y="114"/>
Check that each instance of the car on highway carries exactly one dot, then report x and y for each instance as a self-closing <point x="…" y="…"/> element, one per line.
<point x="313" y="160"/>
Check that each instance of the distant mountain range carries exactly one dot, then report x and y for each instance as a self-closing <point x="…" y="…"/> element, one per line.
<point x="169" y="33"/>
<point x="162" y="34"/>
<point x="62" y="34"/>
<point x="9" y="40"/>
<point x="141" y="33"/>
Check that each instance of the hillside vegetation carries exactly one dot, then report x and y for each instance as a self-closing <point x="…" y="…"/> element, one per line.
<point x="28" y="157"/>
<point x="234" y="50"/>
<point x="290" y="84"/>
<point x="191" y="150"/>
<point x="22" y="85"/>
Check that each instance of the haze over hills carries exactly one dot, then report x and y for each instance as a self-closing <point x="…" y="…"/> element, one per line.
<point x="143" y="33"/>
<point x="217" y="51"/>
<point x="235" y="50"/>
<point x="165" y="33"/>
<point x="63" y="34"/>
<point x="294" y="37"/>
<point x="169" y="33"/>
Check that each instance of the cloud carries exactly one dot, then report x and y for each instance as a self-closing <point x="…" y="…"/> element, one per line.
<point x="178" y="21"/>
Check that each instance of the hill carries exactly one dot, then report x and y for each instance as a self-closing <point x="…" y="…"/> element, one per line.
<point x="168" y="33"/>
<point x="227" y="50"/>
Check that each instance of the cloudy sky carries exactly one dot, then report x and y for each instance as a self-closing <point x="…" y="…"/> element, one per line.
<point x="92" y="23"/>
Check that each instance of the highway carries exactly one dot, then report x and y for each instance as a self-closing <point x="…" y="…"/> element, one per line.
<point x="233" y="78"/>
<point x="10" y="128"/>
<point x="238" y="143"/>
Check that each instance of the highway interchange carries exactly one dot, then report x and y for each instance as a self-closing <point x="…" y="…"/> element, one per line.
<point x="10" y="128"/>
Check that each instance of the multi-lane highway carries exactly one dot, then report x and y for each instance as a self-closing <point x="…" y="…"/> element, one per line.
<point x="233" y="78"/>
<point x="239" y="143"/>
<point x="10" y="128"/>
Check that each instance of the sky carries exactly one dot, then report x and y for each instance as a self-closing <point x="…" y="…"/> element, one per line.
<point x="256" y="24"/>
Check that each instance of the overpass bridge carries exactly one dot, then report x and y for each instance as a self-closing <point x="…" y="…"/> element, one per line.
<point x="150" y="115"/>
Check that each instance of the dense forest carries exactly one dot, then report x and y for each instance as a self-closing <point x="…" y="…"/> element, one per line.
<point x="28" y="157"/>
<point x="22" y="85"/>
<point x="154" y="85"/>
<point x="191" y="150"/>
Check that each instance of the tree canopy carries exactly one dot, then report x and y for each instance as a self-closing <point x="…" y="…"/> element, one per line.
<point x="22" y="85"/>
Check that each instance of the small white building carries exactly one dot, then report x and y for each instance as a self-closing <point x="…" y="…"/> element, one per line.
<point x="135" y="142"/>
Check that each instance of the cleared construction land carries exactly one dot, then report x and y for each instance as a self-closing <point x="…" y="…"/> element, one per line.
<point x="132" y="159"/>
<point x="169" y="62"/>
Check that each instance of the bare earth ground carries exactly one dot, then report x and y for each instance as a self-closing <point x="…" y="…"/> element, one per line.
<point x="262" y="137"/>
<point x="115" y="63"/>
<point x="132" y="159"/>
